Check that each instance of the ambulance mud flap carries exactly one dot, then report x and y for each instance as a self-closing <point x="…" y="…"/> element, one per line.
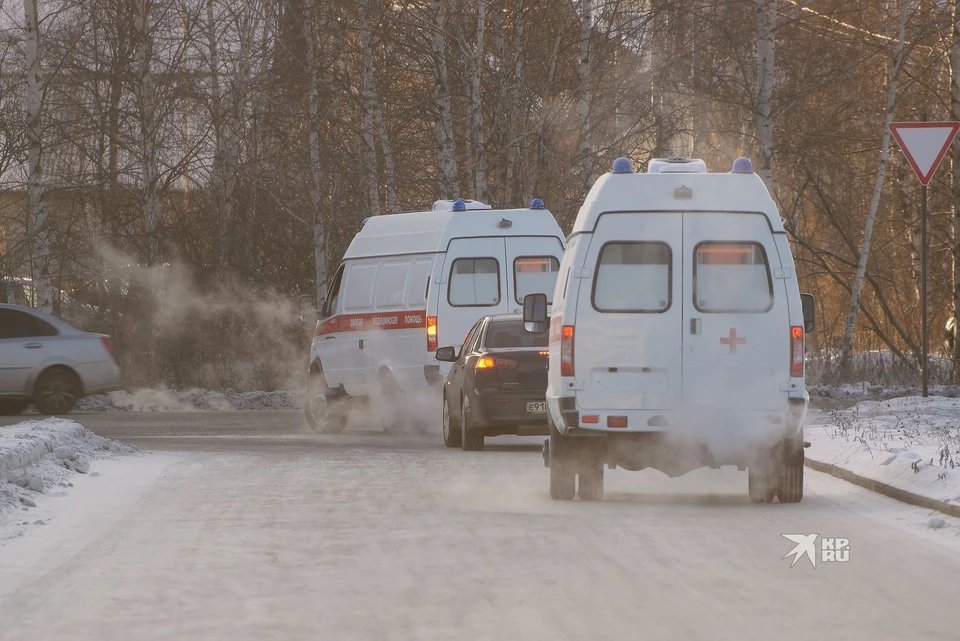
<point x="432" y="374"/>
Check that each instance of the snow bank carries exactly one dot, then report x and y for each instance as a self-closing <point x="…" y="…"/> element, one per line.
<point x="909" y="443"/>
<point x="163" y="400"/>
<point x="38" y="455"/>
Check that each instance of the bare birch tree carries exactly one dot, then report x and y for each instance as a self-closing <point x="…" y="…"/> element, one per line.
<point x="955" y="175"/>
<point x="894" y="75"/>
<point x="310" y="18"/>
<point x="446" y="155"/>
<point x="584" y="96"/>
<point x="766" y="76"/>
<point x="36" y="188"/>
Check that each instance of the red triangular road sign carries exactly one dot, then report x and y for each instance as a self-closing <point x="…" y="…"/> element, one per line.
<point x="924" y="144"/>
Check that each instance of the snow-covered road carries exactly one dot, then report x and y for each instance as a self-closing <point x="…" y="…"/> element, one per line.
<point x="251" y="530"/>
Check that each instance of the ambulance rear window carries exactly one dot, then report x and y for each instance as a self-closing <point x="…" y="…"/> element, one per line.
<point x="732" y="278"/>
<point x="633" y="277"/>
<point x="535" y="275"/>
<point x="474" y="282"/>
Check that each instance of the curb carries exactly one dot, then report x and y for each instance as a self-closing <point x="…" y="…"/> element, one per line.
<point x="886" y="489"/>
<point x="28" y="451"/>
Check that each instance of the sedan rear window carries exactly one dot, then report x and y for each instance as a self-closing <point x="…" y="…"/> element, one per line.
<point x="732" y="277"/>
<point x="633" y="277"/>
<point x="505" y="334"/>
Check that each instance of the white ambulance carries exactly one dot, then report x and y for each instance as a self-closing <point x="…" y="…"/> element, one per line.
<point x="676" y="333"/>
<point x="412" y="282"/>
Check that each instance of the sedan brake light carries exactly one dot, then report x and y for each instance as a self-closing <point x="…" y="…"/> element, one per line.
<point x="107" y="344"/>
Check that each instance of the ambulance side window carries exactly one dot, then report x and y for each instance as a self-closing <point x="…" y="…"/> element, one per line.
<point x="360" y="281"/>
<point x="731" y="277"/>
<point x="474" y="282"/>
<point x="417" y="283"/>
<point x="391" y="283"/>
<point x="330" y="306"/>
<point x="633" y="277"/>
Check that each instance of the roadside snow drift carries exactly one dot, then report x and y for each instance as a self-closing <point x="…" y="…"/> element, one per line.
<point x="38" y="455"/>
<point x="911" y="443"/>
<point x="163" y="400"/>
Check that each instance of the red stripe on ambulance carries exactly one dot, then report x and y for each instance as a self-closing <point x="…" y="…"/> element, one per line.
<point x="367" y="322"/>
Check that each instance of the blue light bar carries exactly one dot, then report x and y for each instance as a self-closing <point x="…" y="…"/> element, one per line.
<point x="459" y="205"/>
<point x="622" y="166"/>
<point x="536" y="204"/>
<point x="742" y="166"/>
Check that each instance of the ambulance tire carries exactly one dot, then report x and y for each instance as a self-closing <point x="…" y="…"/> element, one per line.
<point x="760" y="484"/>
<point x="393" y="410"/>
<point x="791" y="483"/>
<point x="563" y="467"/>
<point x="471" y="437"/>
<point x="325" y="411"/>
<point x="590" y="486"/>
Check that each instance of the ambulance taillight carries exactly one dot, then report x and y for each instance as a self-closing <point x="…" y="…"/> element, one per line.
<point x="796" y="352"/>
<point x="431" y="333"/>
<point x="566" y="351"/>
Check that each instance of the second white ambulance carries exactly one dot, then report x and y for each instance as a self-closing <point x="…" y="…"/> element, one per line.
<point x="410" y="283"/>
<point x="677" y="333"/>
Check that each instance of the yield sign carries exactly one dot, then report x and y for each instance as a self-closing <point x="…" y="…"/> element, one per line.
<point x="924" y="144"/>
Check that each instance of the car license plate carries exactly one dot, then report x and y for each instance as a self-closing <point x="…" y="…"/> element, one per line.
<point x="540" y="407"/>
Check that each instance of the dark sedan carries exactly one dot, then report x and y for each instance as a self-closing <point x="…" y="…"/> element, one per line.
<point x="497" y="384"/>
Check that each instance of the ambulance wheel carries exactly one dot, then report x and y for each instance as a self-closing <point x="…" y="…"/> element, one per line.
<point x="760" y="484"/>
<point x="791" y="483"/>
<point x="563" y="469"/>
<point x="451" y="431"/>
<point x="471" y="439"/>
<point x="393" y="409"/>
<point x="326" y="413"/>
<point x="590" y="486"/>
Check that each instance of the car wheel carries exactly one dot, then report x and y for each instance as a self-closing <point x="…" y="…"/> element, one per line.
<point x="471" y="438"/>
<point x="760" y="484"/>
<point x="591" y="473"/>
<point x="791" y="483"/>
<point x="563" y="471"/>
<point x="326" y="413"/>
<point x="451" y="432"/>
<point x="12" y="408"/>
<point x="56" y="392"/>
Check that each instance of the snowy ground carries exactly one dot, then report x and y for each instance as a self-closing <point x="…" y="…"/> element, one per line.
<point x="162" y="400"/>
<point x="42" y="458"/>
<point x="911" y="443"/>
<point x="358" y="537"/>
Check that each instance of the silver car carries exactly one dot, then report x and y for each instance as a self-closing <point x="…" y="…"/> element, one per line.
<point x="48" y="363"/>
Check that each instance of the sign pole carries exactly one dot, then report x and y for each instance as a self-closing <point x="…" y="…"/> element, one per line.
<point x="923" y="287"/>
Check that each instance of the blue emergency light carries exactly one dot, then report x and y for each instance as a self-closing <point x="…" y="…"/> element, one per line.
<point x="622" y="166"/>
<point x="536" y="204"/>
<point x="459" y="205"/>
<point x="742" y="166"/>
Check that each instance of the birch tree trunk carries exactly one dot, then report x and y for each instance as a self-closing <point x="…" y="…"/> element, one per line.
<point x="36" y="190"/>
<point x="146" y="107"/>
<point x="515" y="163"/>
<point x="476" y="137"/>
<point x="316" y="176"/>
<point x="584" y="106"/>
<point x="895" y="68"/>
<point x="390" y="174"/>
<point x="766" y="25"/>
<point x="446" y="156"/>
<point x="224" y="158"/>
<point x="955" y="170"/>
<point x="369" y="96"/>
